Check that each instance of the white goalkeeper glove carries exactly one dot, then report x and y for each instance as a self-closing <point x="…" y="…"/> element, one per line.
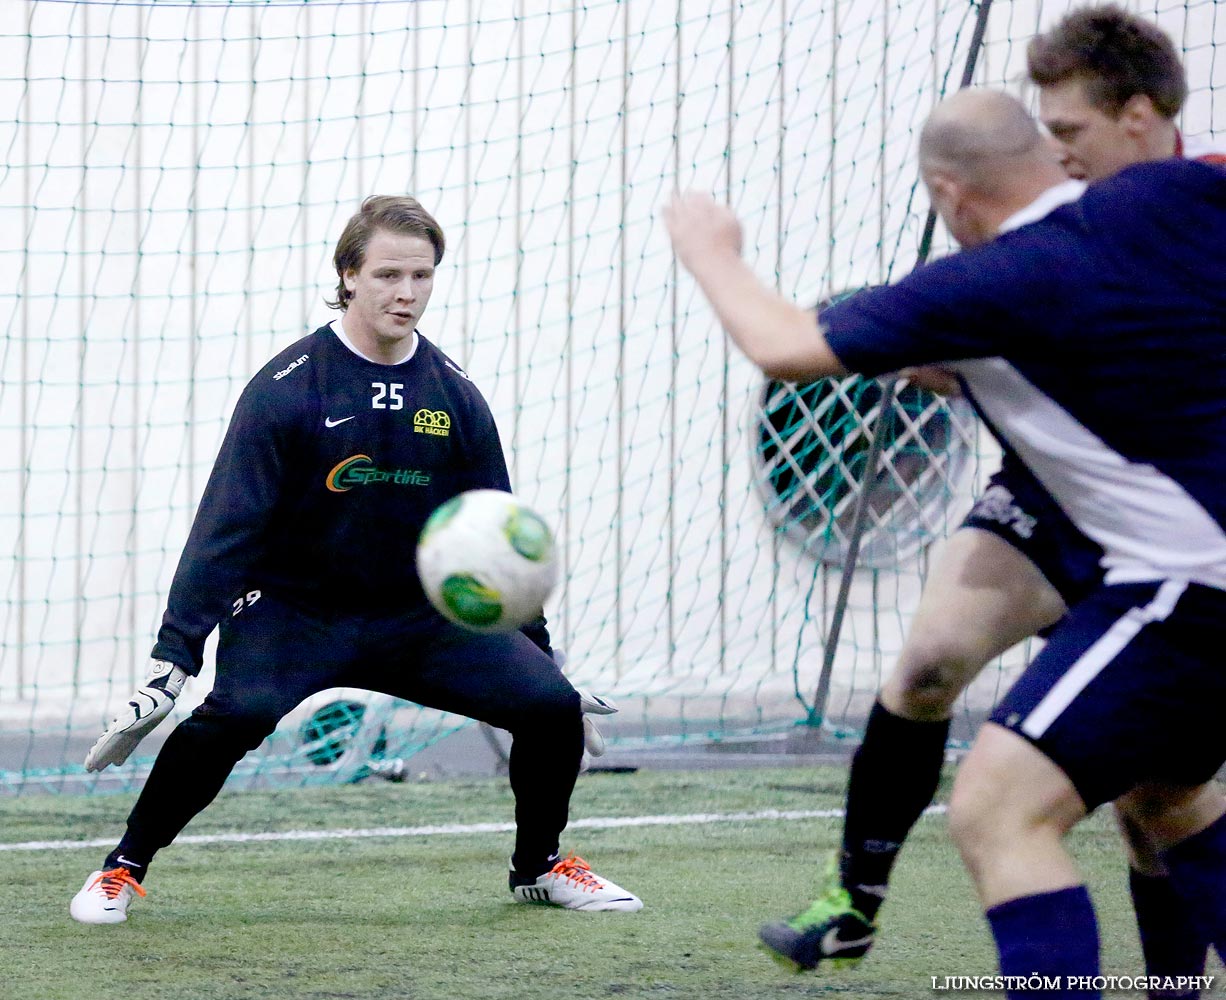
<point x="150" y="704"/>
<point x="593" y="741"/>
<point x="589" y="704"/>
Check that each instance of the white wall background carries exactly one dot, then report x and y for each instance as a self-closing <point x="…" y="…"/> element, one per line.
<point x="174" y="177"/>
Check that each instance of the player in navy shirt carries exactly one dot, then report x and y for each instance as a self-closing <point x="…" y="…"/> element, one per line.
<point x="1071" y="333"/>
<point x="303" y="551"/>
<point x="1110" y="88"/>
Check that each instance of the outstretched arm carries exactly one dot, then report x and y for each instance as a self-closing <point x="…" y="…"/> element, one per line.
<point x="228" y="530"/>
<point x="782" y="339"/>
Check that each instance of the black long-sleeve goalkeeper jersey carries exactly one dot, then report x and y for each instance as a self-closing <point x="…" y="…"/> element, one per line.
<point x="328" y="471"/>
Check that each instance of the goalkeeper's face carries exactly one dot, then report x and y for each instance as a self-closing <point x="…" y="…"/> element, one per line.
<point x="390" y="292"/>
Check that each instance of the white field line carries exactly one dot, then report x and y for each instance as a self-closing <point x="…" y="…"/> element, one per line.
<point x="456" y="829"/>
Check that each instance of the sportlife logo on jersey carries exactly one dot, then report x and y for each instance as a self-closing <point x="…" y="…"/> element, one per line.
<point x="360" y="470"/>
<point x="292" y="365"/>
<point x="436" y="422"/>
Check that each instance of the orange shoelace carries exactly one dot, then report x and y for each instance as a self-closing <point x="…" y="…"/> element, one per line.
<point x="112" y="882"/>
<point x="575" y="869"/>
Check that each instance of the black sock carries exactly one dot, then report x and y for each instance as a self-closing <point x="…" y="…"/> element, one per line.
<point x="122" y="858"/>
<point x="542" y="768"/>
<point x="1170" y="941"/>
<point x="1198" y="873"/>
<point x="528" y="875"/>
<point x="894" y="775"/>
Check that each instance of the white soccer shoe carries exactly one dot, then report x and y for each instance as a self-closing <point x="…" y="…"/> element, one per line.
<point x="572" y="884"/>
<point x="105" y="897"/>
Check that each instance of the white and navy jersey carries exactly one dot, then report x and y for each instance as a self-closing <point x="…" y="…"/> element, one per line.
<point x="1094" y="340"/>
<point x="329" y="468"/>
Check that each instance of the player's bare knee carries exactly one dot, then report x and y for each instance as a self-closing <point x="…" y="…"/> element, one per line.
<point x="928" y="682"/>
<point x="927" y="695"/>
<point x="1154" y="817"/>
<point x="986" y="824"/>
<point x="974" y="825"/>
<point x="1008" y="790"/>
<point x="979" y="808"/>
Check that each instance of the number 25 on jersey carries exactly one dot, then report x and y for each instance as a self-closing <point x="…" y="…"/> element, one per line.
<point x="387" y="396"/>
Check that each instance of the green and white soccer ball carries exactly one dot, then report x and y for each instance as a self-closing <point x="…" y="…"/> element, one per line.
<point x="486" y="561"/>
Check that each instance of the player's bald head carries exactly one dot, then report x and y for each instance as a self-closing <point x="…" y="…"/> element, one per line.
<point x="973" y="134"/>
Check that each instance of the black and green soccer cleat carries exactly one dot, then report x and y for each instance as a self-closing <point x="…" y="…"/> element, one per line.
<point x="831" y="930"/>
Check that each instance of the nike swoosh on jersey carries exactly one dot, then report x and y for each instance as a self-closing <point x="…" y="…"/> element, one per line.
<point x="329" y="422"/>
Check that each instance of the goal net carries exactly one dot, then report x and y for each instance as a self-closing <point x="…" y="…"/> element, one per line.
<point x="175" y="176"/>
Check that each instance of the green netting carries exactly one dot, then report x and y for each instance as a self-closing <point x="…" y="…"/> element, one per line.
<point x="813" y="447"/>
<point x="174" y="177"/>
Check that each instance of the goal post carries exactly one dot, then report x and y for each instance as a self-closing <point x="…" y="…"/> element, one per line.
<point x="175" y="176"/>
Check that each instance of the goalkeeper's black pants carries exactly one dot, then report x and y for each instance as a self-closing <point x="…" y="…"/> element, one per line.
<point x="271" y="657"/>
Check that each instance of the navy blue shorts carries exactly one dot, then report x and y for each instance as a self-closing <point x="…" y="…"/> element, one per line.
<point x="272" y="655"/>
<point x="1129" y="689"/>
<point x="1016" y="508"/>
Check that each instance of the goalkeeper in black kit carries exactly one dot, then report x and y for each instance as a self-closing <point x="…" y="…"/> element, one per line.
<point x="302" y="554"/>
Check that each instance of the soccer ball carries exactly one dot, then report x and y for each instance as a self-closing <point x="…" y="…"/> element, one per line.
<point x="486" y="561"/>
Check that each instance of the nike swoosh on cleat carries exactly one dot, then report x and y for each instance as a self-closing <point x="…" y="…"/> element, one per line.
<point x="329" y="422"/>
<point x="832" y="944"/>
